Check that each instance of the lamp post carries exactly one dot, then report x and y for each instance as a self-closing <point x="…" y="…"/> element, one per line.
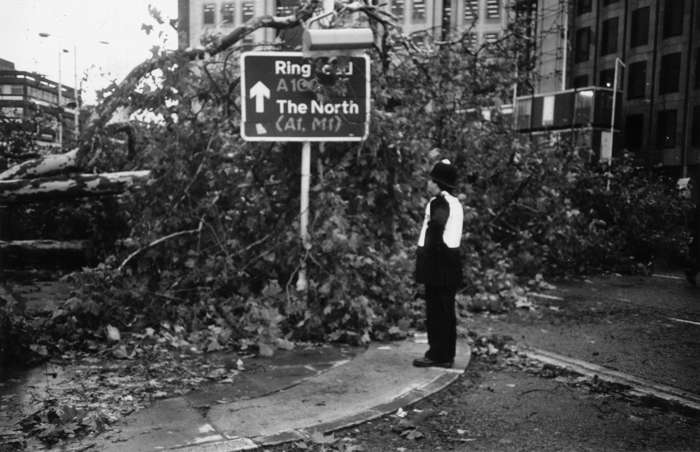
<point x="612" y="117"/>
<point x="76" y="114"/>
<point x="614" y="99"/>
<point x="76" y="89"/>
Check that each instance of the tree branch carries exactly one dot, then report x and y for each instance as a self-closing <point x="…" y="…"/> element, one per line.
<point x="157" y="242"/>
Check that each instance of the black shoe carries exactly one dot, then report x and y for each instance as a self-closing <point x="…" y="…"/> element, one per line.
<point x="691" y="278"/>
<point x="427" y="362"/>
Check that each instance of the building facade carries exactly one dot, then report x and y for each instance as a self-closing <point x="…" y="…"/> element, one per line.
<point x="653" y="46"/>
<point x="485" y="20"/>
<point x="551" y="47"/>
<point x="31" y="101"/>
<point x="658" y="42"/>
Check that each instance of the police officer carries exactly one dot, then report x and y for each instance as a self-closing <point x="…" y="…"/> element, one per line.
<point x="439" y="265"/>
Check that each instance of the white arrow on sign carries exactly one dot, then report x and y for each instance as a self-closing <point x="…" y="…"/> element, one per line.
<point x="259" y="92"/>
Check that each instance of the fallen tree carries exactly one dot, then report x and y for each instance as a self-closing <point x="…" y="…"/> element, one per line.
<point x="50" y="164"/>
<point x="213" y="239"/>
<point x="118" y="107"/>
<point x="56" y="188"/>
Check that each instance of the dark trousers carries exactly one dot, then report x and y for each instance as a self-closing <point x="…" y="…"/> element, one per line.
<point x="694" y="267"/>
<point x="441" y="322"/>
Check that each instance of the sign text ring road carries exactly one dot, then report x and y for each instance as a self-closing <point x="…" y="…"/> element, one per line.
<point x="280" y="100"/>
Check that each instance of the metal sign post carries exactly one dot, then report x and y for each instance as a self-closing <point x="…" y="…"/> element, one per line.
<point x="304" y="212"/>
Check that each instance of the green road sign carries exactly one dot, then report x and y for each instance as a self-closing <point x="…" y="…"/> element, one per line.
<point x="280" y="99"/>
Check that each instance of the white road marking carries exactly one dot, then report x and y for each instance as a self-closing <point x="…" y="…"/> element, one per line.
<point x="637" y="385"/>
<point x="667" y="276"/>
<point x="684" y="321"/>
<point x="547" y="297"/>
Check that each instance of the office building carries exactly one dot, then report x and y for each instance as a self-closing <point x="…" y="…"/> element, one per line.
<point x="31" y="101"/>
<point x="484" y="19"/>
<point x="659" y="43"/>
<point x="655" y="46"/>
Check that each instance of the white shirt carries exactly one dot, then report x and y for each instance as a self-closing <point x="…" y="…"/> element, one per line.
<point x="452" y="235"/>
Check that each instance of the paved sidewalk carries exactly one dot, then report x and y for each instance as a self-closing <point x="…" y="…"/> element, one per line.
<point x="373" y="383"/>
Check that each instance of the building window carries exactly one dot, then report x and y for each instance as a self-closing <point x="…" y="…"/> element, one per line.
<point x="583" y="44"/>
<point x="248" y="12"/>
<point x="673" y="17"/>
<point x="209" y="15"/>
<point x="580" y="81"/>
<point x="637" y="80"/>
<point x="608" y="43"/>
<point x="639" y="35"/>
<point x="397" y="8"/>
<point x="286" y="7"/>
<point x="248" y="9"/>
<point x="634" y="131"/>
<point x="670" y="73"/>
<point x="418" y="11"/>
<point x="12" y="112"/>
<point x="227" y="13"/>
<point x="695" y="137"/>
<point x="607" y="78"/>
<point x="469" y="40"/>
<point x="609" y="2"/>
<point x="490" y="38"/>
<point x="493" y="9"/>
<point x="666" y="129"/>
<point x="583" y="6"/>
<point x="471" y="10"/>
<point x="418" y="37"/>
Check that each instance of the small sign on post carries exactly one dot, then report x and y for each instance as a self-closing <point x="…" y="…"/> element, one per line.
<point x="279" y="99"/>
<point x="606" y="146"/>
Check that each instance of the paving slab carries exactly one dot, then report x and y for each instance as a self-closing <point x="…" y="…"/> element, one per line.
<point x="373" y="383"/>
<point x="167" y="424"/>
<point x="376" y="382"/>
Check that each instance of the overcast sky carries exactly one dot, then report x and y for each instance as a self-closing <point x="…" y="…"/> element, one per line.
<point x="83" y="24"/>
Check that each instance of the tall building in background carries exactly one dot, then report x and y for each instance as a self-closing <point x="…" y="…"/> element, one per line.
<point x="659" y="42"/>
<point x="656" y="44"/>
<point x="199" y="19"/>
<point x="485" y="20"/>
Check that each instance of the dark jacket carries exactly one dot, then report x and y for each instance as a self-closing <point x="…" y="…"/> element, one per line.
<point x="436" y="263"/>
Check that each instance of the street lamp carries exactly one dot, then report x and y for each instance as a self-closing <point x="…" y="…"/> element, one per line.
<point x="614" y="99"/>
<point x="76" y="89"/>
<point x="60" y="91"/>
<point x="611" y="140"/>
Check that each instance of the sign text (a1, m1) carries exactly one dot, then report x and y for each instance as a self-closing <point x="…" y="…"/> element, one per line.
<point x="280" y="100"/>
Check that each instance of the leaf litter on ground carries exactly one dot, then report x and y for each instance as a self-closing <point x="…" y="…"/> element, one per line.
<point x="127" y="373"/>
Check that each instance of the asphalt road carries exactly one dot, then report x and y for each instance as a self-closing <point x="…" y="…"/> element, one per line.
<point x="648" y="327"/>
<point x="634" y="325"/>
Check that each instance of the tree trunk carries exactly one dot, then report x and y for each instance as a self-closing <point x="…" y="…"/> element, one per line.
<point x="42" y="189"/>
<point x="41" y="166"/>
<point x="43" y="245"/>
<point x="44" y="254"/>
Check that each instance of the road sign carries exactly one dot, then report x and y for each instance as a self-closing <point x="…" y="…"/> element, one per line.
<point x="280" y="99"/>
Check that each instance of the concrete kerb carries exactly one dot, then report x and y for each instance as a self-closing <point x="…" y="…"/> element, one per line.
<point x="637" y="386"/>
<point x="413" y="396"/>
